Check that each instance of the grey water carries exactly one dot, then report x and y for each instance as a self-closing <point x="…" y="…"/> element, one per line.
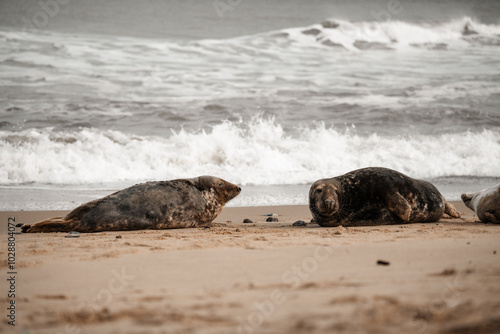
<point x="272" y="95"/>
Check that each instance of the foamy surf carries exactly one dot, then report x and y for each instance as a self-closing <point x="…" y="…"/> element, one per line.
<point x="259" y="152"/>
<point x="383" y="35"/>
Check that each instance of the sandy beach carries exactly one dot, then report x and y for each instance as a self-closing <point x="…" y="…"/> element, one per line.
<point x="257" y="278"/>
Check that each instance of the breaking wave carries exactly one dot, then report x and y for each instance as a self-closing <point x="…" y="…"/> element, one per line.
<point x="259" y="152"/>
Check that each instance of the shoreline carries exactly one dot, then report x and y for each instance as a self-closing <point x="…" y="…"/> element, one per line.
<point x="61" y="198"/>
<point x="265" y="277"/>
<point x="286" y="213"/>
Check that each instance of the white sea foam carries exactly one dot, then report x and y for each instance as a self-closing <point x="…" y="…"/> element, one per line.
<point x="394" y="34"/>
<point x="259" y="152"/>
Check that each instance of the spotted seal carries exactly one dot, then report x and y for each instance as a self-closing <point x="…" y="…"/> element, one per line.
<point x="486" y="204"/>
<point x="152" y="205"/>
<point x="376" y="196"/>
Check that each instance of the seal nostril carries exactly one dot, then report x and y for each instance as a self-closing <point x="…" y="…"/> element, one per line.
<point x="239" y="189"/>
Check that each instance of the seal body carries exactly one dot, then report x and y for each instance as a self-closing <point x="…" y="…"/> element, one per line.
<point x="152" y="205"/>
<point x="486" y="204"/>
<point x="376" y="196"/>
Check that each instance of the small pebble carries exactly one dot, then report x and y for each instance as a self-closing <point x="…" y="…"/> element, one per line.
<point x="272" y="219"/>
<point x="73" y="234"/>
<point x="383" y="263"/>
<point x="494" y="252"/>
<point x="271" y="215"/>
<point x="118" y="237"/>
<point x="299" y="223"/>
<point x="247" y="221"/>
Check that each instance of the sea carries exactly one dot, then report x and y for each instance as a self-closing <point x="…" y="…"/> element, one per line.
<point x="271" y="95"/>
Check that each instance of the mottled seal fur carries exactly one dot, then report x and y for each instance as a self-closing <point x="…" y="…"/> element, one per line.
<point x="486" y="204"/>
<point x="376" y="196"/>
<point x="152" y="205"/>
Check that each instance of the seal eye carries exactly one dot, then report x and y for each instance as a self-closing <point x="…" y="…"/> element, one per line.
<point x="319" y="191"/>
<point x="221" y="184"/>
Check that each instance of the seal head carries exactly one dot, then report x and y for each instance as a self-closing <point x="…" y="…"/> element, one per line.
<point x="324" y="201"/>
<point x="486" y="204"/>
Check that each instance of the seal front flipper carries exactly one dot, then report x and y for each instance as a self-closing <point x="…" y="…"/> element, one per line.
<point x="398" y="205"/>
<point x="450" y="210"/>
<point x="492" y="217"/>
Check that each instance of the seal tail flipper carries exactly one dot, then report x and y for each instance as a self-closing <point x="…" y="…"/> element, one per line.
<point x="56" y="224"/>
<point x="450" y="210"/>
<point x="64" y="224"/>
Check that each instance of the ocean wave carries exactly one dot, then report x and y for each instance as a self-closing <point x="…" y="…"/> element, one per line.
<point x="384" y="35"/>
<point x="134" y="70"/>
<point x="259" y="152"/>
<point x="333" y="32"/>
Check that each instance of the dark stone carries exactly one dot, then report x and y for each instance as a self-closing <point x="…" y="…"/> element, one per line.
<point x="330" y="24"/>
<point x="468" y="30"/>
<point x="312" y="31"/>
<point x="247" y="221"/>
<point x="332" y="44"/>
<point x="383" y="263"/>
<point x="364" y="45"/>
<point x="271" y="219"/>
<point x="299" y="223"/>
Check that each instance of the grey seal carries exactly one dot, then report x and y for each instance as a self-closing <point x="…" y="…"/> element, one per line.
<point x="152" y="205"/>
<point x="376" y="196"/>
<point x="486" y="204"/>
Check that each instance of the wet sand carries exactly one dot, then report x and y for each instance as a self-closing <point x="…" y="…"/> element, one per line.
<point x="264" y="277"/>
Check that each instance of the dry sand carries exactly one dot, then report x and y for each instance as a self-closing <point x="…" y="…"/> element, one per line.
<point x="440" y="277"/>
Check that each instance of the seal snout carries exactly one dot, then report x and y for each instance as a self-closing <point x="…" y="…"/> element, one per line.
<point x="327" y="206"/>
<point x="466" y="198"/>
<point x="330" y="204"/>
<point x="230" y="191"/>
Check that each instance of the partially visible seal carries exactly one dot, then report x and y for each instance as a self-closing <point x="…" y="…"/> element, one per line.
<point x="486" y="204"/>
<point x="152" y="205"/>
<point x="376" y="196"/>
